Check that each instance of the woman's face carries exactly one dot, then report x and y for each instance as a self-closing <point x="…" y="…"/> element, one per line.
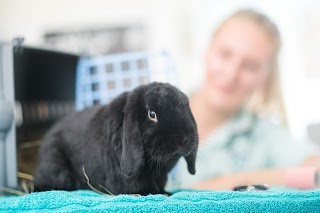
<point x="237" y="64"/>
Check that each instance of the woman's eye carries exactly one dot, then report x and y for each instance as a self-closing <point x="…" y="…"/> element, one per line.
<point x="225" y="54"/>
<point x="251" y="66"/>
<point x="152" y="116"/>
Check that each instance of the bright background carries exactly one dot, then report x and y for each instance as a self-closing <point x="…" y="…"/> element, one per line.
<point x="183" y="27"/>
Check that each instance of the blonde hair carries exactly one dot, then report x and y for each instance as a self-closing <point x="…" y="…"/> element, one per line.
<point x="269" y="100"/>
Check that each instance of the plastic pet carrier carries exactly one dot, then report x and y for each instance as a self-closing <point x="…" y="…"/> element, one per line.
<point x="100" y="79"/>
<point x="40" y="86"/>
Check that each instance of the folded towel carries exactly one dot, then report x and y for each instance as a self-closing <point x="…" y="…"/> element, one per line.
<point x="283" y="200"/>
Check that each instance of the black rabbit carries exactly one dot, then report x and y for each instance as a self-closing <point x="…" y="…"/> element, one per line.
<point x="127" y="146"/>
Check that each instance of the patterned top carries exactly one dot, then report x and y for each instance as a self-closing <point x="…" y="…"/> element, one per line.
<point x="244" y="143"/>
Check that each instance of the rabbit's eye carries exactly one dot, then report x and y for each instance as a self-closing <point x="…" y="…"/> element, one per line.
<point x="152" y="116"/>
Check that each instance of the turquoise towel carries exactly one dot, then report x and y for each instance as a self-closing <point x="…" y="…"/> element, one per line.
<point x="184" y="201"/>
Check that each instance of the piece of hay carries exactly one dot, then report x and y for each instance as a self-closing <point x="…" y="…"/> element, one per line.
<point x="92" y="187"/>
<point x="12" y="191"/>
<point x="96" y="190"/>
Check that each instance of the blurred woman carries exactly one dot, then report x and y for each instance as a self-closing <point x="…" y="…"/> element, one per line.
<point x="240" y="143"/>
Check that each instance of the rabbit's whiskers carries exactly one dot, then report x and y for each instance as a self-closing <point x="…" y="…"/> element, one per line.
<point x="164" y="147"/>
<point x="153" y="161"/>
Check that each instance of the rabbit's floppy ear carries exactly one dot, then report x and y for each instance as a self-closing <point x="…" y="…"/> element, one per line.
<point x="132" y="156"/>
<point x="191" y="160"/>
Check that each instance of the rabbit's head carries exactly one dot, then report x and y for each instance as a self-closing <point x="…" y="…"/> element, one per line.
<point x="158" y="125"/>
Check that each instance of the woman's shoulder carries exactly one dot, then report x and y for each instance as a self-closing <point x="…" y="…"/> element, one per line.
<point x="264" y="125"/>
<point x="248" y="123"/>
<point x="262" y="132"/>
<point x="251" y="128"/>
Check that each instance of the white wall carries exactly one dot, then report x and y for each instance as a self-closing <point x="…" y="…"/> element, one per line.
<point x="31" y="18"/>
<point x="299" y="53"/>
<point x="165" y="19"/>
<point x="184" y="27"/>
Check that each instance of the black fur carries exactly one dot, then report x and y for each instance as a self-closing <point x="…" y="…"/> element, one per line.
<point x="118" y="145"/>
